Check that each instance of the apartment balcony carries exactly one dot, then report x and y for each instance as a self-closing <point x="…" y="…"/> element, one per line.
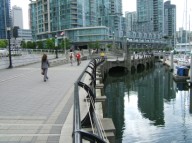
<point x="74" y="12"/>
<point x="45" y="11"/>
<point x="73" y="7"/>
<point x="74" y="17"/>
<point x="45" y="3"/>
<point x="74" y="2"/>
<point x="155" y="4"/>
<point x="74" y="25"/>
<point x="74" y="21"/>
<point x="45" y="21"/>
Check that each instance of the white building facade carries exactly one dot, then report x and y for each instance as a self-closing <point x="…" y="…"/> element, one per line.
<point x="17" y="17"/>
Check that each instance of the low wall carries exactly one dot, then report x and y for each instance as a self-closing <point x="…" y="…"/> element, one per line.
<point x="107" y="123"/>
<point x="30" y="59"/>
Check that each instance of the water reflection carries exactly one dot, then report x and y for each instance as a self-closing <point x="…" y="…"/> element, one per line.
<point x="115" y="104"/>
<point x="149" y="107"/>
<point x="182" y="86"/>
<point x="190" y="109"/>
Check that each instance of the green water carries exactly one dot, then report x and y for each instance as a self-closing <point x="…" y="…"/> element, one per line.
<point x="149" y="107"/>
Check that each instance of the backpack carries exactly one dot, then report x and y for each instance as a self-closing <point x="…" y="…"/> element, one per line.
<point x="71" y="56"/>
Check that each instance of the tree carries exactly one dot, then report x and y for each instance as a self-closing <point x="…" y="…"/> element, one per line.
<point x="34" y="45"/>
<point x="40" y="44"/>
<point x="97" y="45"/>
<point x="6" y="42"/>
<point x="3" y="44"/>
<point x="65" y="43"/>
<point x="91" y="45"/>
<point x="50" y="43"/>
<point x="23" y="44"/>
<point x="167" y="49"/>
<point x="109" y="46"/>
<point x="29" y="44"/>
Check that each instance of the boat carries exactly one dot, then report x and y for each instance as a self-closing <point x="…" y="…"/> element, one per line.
<point x="182" y="74"/>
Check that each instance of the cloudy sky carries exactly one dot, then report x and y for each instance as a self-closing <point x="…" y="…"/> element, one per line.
<point x="128" y="5"/>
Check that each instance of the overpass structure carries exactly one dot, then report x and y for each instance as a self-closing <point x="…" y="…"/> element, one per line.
<point x="129" y="43"/>
<point x="133" y="63"/>
<point x="133" y="39"/>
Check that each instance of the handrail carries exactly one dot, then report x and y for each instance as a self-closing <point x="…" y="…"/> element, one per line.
<point x="78" y="132"/>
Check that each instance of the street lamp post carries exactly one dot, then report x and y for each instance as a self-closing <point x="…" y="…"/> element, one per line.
<point x="65" y="45"/>
<point x="9" y="37"/>
<point x="125" y="42"/>
<point x="56" y="46"/>
<point x="171" y="68"/>
<point x="113" y="40"/>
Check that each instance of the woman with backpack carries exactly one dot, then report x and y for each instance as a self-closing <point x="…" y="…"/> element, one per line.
<point x="71" y="55"/>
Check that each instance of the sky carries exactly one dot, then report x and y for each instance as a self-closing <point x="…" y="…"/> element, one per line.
<point x="128" y="5"/>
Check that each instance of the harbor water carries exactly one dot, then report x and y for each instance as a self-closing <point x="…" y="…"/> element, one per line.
<point x="149" y="107"/>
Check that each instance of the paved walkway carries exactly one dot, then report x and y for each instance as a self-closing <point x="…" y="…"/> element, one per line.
<point x="34" y="111"/>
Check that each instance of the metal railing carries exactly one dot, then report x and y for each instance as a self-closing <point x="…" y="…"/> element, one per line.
<point x="90" y="120"/>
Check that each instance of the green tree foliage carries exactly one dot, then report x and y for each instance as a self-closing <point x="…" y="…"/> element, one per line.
<point x="65" y="44"/>
<point x="3" y="44"/>
<point x="97" y="45"/>
<point x="109" y="46"/>
<point x="91" y="45"/>
<point x="34" y="45"/>
<point x="23" y="44"/>
<point x="50" y="43"/>
<point x="167" y="49"/>
<point x="6" y="42"/>
<point x="39" y="44"/>
<point x="30" y="45"/>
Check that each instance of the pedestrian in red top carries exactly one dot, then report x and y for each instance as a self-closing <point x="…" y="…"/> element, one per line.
<point x="78" y="57"/>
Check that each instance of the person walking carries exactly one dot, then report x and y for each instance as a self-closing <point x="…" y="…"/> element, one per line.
<point x="78" y="57"/>
<point x="102" y="55"/>
<point x="44" y="66"/>
<point x="71" y="55"/>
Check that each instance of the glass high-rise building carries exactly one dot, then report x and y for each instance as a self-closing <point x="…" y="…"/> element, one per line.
<point x="51" y="17"/>
<point x="5" y="20"/>
<point x="170" y="20"/>
<point x="150" y="15"/>
<point x="131" y="19"/>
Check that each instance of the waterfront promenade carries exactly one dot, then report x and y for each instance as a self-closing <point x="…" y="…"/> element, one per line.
<point x="34" y="111"/>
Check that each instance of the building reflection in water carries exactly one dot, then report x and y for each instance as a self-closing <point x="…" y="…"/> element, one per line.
<point x="190" y="109"/>
<point x="154" y="89"/>
<point x="115" y="88"/>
